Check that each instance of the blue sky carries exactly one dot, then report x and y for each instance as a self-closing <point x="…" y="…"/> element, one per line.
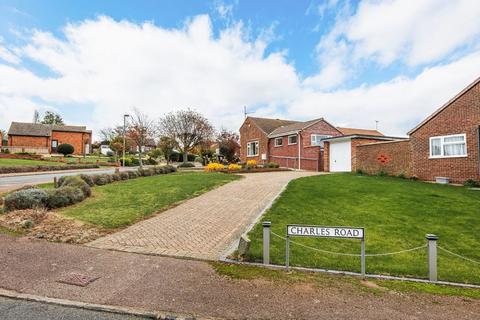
<point x="352" y="62"/>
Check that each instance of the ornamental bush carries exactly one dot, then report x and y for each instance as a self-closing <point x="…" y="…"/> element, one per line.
<point x="272" y="165"/>
<point x="65" y="149"/>
<point x="88" y="179"/>
<point x="169" y="168"/>
<point x="186" y="165"/>
<point x="77" y="182"/>
<point x="214" y="166"/>
<point x="124" y="176"/>
<point x="25" y="199"/>
<point x="101" y="179"/>
<point x="64" y="196"/>
<point x="145" y="172"/>
<point x="132" y="174"/>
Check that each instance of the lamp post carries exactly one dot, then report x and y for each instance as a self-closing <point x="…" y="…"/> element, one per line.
<point x="125" y="116"/>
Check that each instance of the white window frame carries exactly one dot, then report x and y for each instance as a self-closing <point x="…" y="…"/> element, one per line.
<point x="249" y="148"/>
<point x="279" y="139"/>
<point x="443" y="143"/>
<point x="313" y="139"/>
<point x="296" y="139"/>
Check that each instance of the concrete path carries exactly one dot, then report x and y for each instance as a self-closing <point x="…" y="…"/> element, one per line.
<point x="193" y="288"/>
<point x="207" y="226"/>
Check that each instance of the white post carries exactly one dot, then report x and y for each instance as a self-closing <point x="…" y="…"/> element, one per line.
<point x="432" y="257"/>
<point x="363" y="267"/>
<point x="287" y="253"/>
<point x="266" y="242"/>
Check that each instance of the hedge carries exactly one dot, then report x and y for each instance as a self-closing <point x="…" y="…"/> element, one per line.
<point x="72" y="189"/>
<point x="20" y="169"/>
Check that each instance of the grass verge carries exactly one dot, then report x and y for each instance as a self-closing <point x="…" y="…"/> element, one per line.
<point x="124" y="203"/>
<point x="396" y="214"/>
<point x="26" y="162"/>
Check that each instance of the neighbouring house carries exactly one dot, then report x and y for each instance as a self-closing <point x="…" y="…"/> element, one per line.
<point x="44" y="138"/>
<point x="295" y="144"/>
<point x="445" y="145"/>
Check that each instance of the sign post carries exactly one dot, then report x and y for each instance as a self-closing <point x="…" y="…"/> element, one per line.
<point x="295" y="230"/>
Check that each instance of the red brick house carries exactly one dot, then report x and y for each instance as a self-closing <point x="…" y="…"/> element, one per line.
<point x="44" y="138"/>
<point x="446" y="144"/>
<point x="292" y="144"/>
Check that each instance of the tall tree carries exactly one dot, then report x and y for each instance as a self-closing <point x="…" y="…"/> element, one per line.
<point x="228" y="144"/>
<point x="167" y="145"/>
<point x="140" y="129"/>
<point x="52" y="118"/>
<point x="188" y="128"/>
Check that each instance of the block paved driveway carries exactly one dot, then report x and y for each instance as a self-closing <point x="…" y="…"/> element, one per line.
<point x="207" y="226"/>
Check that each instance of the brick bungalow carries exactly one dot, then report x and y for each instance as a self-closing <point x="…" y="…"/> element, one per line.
<point x="44" y="138"/>
<point x="292" y="144"/>
<point x="446" y="144"/>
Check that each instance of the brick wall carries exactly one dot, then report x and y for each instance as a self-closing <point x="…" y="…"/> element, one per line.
<point x="28" y="141"/>
<point x="392" y="157"/>
<point x="76" y="139"/>
<point x="357" y="142"/>
<point x="460" y="117"/>
<point x="250" y="132"/>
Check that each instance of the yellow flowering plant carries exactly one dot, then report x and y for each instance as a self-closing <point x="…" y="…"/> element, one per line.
<point x="251" y="163"/>
<point x="214" y="166"/>
<point x="234" y="167"/>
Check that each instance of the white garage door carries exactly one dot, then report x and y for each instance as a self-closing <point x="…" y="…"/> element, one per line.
<point x="340" y="156"/>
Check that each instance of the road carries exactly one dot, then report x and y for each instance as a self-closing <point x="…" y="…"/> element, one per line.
<point x="13" y="309"/>
<point x="17" y="181"/>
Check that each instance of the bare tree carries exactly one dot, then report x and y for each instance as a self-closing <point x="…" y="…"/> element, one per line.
<point x="188" y="128"/>
<point x="109" y="134"/>
<point x="140" y="129"/>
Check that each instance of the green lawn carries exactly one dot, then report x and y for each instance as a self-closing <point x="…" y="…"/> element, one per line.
<point x="25" y="162"/>
<point x="123" y="203"/>
<point x="89" y="159"/>
<point x="396" y="214"/>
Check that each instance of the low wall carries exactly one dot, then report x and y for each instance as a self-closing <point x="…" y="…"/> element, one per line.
<point x="392" y="157"/>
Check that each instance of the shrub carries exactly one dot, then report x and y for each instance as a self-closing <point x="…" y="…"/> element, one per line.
<point x="272" y="165"/>
<point x="251" y="164"/>
<point x="159" y="170"/>
<point x="128" y="162"/>
<point x="101" y="179"/>
<point x="64" y="196"/>
<point x="186" y="165"/>
<point x="234" y="167"/>
<point x="214" y="166"/>
<point x="145" y="172"/>
<point x="151" y="161"/>
<point x="471" y="183"/>
<point x="88" y="179"/>
<point x="198" y="159"/>
<point x="116" y="177"/>
<point x="132" y="174"/>
<point x="124" y="176"/>
<point x="134" y="162"/>
<point x="65" y="149"/>
<point x="382" y="174"/>
<point x="169" y="168"/>
<point x="77" y="182"/>
<point x="25" y="199"/>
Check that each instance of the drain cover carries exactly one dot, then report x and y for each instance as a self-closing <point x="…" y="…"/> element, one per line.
<point x="77" y="279"/>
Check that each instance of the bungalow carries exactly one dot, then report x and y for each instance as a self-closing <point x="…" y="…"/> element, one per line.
<point x="45" y="138"/>
<point x="444" y="145"/>
<point x="292" y="144"/>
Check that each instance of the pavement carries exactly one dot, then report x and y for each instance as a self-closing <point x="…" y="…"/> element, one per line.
<point x="13" y="181"/>
<point x="14" y="309"/>
<point x="192" y="287"/>
<point x="205" y="227"/>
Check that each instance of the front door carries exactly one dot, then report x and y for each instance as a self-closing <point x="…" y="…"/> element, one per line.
<point x="54" y="146"/>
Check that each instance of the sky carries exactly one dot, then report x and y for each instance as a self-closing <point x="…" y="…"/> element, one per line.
<point x="351" y="62"/>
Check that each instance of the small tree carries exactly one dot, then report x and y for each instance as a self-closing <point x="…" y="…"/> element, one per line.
<point x="116" y="144"/>
<point x="228" y="144"/>
<point x="109" y="134"/>
<point x="166" y="145"/>
<point x="65" y="149"/>
<point x="141" y="128"/>
<point x="52" y="118"/>
<point x="188" y="128"/>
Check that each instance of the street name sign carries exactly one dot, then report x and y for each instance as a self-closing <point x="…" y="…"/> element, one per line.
<point x="294" y="230"/>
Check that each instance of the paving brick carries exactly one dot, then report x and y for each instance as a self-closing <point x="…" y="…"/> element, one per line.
<point x="204" y="227"/>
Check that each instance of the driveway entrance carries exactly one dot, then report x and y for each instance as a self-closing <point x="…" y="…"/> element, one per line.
<point x="207" y="226"/>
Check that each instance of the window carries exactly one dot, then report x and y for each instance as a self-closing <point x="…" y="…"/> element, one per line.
<point x="252" y="149"/>
<point x="292" y="139"/>
<point x="448" y="146"/>
<point x="317" y="139"/>
<point x="278" y="142"/>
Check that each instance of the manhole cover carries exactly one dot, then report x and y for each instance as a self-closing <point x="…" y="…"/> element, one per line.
<point x="77" y="279"/>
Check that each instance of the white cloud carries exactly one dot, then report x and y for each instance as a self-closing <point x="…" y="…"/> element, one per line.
<point x="115" y="65"/>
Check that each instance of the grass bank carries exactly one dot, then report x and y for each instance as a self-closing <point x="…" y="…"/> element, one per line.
<point x="396" y="214"/>
<point x="26" y="162"/>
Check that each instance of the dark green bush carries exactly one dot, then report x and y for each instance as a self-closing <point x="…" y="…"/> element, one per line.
<point x="101" y="179"/>
<point x="65" y="149"/>
<point x="116" y="177"/>
<point x="77" y="182"/>
<point x="25" y="199"/>
<point x="470" y="183"/>
<point x="88" y="179"/>
<point x="64" y="196"/>
<point x="169" y="168"/>
<point x="272" y="165"/>
<point x="124" y="176"/>
<point x="186" y="165"/>
<point x="359" y="171"/>
<point x="382" y="174"/>
<point x="128" y="162"/>
<point x="146" y="172"/>
<point x="151" y="161"/>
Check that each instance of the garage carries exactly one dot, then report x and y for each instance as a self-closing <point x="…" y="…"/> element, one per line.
<point x="341" y="155"/>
